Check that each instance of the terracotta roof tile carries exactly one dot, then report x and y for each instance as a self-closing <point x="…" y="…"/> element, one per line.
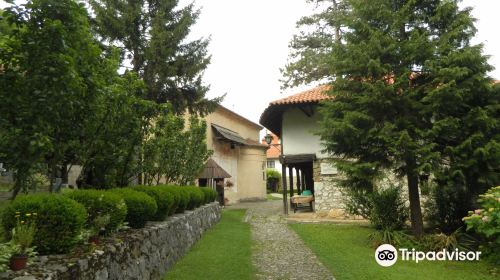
<point x="313" y="95"/>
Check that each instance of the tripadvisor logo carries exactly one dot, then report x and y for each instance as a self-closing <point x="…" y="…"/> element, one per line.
<point x="387" y="255"/>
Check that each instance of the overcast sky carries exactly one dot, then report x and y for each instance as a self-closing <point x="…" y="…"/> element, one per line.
<point x="249" y="44"/>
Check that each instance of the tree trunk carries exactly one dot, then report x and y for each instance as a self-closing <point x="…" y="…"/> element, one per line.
<point x="417" y="224"/>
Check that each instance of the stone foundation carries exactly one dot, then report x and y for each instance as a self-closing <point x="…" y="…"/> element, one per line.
<point x="133" y="254"/>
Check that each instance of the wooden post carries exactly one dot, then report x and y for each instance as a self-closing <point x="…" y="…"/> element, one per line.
<point x="283" y="186"/>
<point x="304" y="183"/>
<point x="290" y="173"/>
<point x="297" y="170"/>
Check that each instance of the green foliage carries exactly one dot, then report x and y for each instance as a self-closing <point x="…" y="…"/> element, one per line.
<point x="174" y="152"/>
<point x="184" y="198"/>
<point x="7" y="250"/>
<point x="273" y="178"/>
<point x="387" y="236"/>
<point x="486" y="221"/>
<point x="389" y="211"/>
<point x="412" y="95"/>
<point x="59" y="221"/>
<point x="196" y="197"/>
<point x="118" y="127"/>
<point x="140" y="207"/>
<point x="446" y="206"/>
<point x="154" y="38"/>
<point x="177" y="200"/>
<point x="99" y="203"/>
<point x="210" y="194"/>
<point x="51" y="75"/>
<point x="163" y="197"/>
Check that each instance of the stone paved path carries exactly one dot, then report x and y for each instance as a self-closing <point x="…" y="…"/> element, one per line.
<point x="279" y="252"/>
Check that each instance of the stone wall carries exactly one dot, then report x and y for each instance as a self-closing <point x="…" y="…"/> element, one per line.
<point x="133" y="254"/>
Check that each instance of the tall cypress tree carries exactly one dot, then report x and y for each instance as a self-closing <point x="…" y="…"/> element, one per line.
<point x="152" y="35"/>
<point x="411" y="92"/>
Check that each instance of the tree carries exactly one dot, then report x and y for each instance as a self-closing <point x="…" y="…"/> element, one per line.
<point x="175" y="153"/>
<point x="152" y="35"/>
<point x="408" y="89"/>
<point x="50" y="79"/>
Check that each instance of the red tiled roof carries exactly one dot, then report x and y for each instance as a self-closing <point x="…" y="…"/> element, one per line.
<point x="275" y="150"/>
<point x="313" y="95"/>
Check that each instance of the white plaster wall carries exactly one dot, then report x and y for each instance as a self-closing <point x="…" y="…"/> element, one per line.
<point x="298" y="133"/>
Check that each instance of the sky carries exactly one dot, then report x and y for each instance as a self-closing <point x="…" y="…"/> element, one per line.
<point x="249" y="45"/>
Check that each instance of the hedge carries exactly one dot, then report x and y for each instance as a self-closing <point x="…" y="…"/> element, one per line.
<point x="59" y="220"/>
<point x="99" y="202"/>
<point x="163" y="197"/>
<point x="140" y="207"/>
<point x="196" y="197"/>
<point x="210" y="194"/>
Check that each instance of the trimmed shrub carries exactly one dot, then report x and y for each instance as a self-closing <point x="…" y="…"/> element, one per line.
<point x="389" y="211"/>
<point x="163" y="197"/>
<point x="183" y="197"/>
<point x="98" y="203"/>
<point x="140" y="207"/>
<point x="176" y="196"/>
<point x="59" y="221"/>
<point x="210" y="194"/>
<point x="196" y="198"/>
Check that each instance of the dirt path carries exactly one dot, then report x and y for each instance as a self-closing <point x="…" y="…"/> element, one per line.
<point x="279" y="252"/>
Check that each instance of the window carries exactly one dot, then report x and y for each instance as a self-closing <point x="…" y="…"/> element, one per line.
<point x="270" y="164"/>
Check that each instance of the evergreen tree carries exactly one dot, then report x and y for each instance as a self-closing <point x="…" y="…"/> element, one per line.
<point x="411" y="94"/>
<point x="152" y="35"/>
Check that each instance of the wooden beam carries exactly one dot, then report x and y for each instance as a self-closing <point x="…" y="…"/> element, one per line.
<point x="283" y="187"/>
<point x="290" y="174"/>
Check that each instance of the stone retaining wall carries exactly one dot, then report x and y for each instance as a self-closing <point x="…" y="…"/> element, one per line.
<point x="133" y="254"/>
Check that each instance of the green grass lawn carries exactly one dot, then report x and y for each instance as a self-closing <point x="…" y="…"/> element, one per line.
<point x="270" y="197"/>
<point x="223" y="252"/>
<point x="345" y="250"/>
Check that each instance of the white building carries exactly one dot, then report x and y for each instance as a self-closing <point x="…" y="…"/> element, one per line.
<point x="295" y="120"/>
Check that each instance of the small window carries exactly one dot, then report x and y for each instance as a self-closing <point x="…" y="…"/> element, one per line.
<point x="270" y="164"/>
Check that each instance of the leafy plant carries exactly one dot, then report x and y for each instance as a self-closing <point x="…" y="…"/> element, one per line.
<point x="99" y="203"/>
<point x="140" y="207"/>
<point x="389" y="211"/>
<point x="23" y="233"/>
<point x="486" y="222"/>
<point x="59" y="221"/>
<point x="164" y="200"/>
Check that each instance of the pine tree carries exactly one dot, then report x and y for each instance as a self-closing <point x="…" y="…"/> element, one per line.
<point x="152" y="35"/>
<point x="411" y="94"/>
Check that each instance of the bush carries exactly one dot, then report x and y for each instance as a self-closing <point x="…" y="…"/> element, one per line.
<point x="446" y="207"/>
<point x="99" y="203"/>
<point x="59" y="220"/>
<point x="210" y="194"/>
<point x="177" y="199"/>
<point x="196" y="197"/>
<point x="163" y="197"/>
<point x="140" y="207"/>
<point x="486" y="222"/>
<point x="389" y="211"/>
<point x="184" y="198"/>
<point x="272" y="179"/>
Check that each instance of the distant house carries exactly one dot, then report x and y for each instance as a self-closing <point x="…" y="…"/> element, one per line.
<point x="295" y="120"/>
<point x="237" y="151"/>
<point x="273" y="153"/>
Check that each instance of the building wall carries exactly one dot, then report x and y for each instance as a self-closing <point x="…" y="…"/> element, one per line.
<point x="244" y="163"/>
<point x="251" y="170"/>
<point x="298" y="133"/>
